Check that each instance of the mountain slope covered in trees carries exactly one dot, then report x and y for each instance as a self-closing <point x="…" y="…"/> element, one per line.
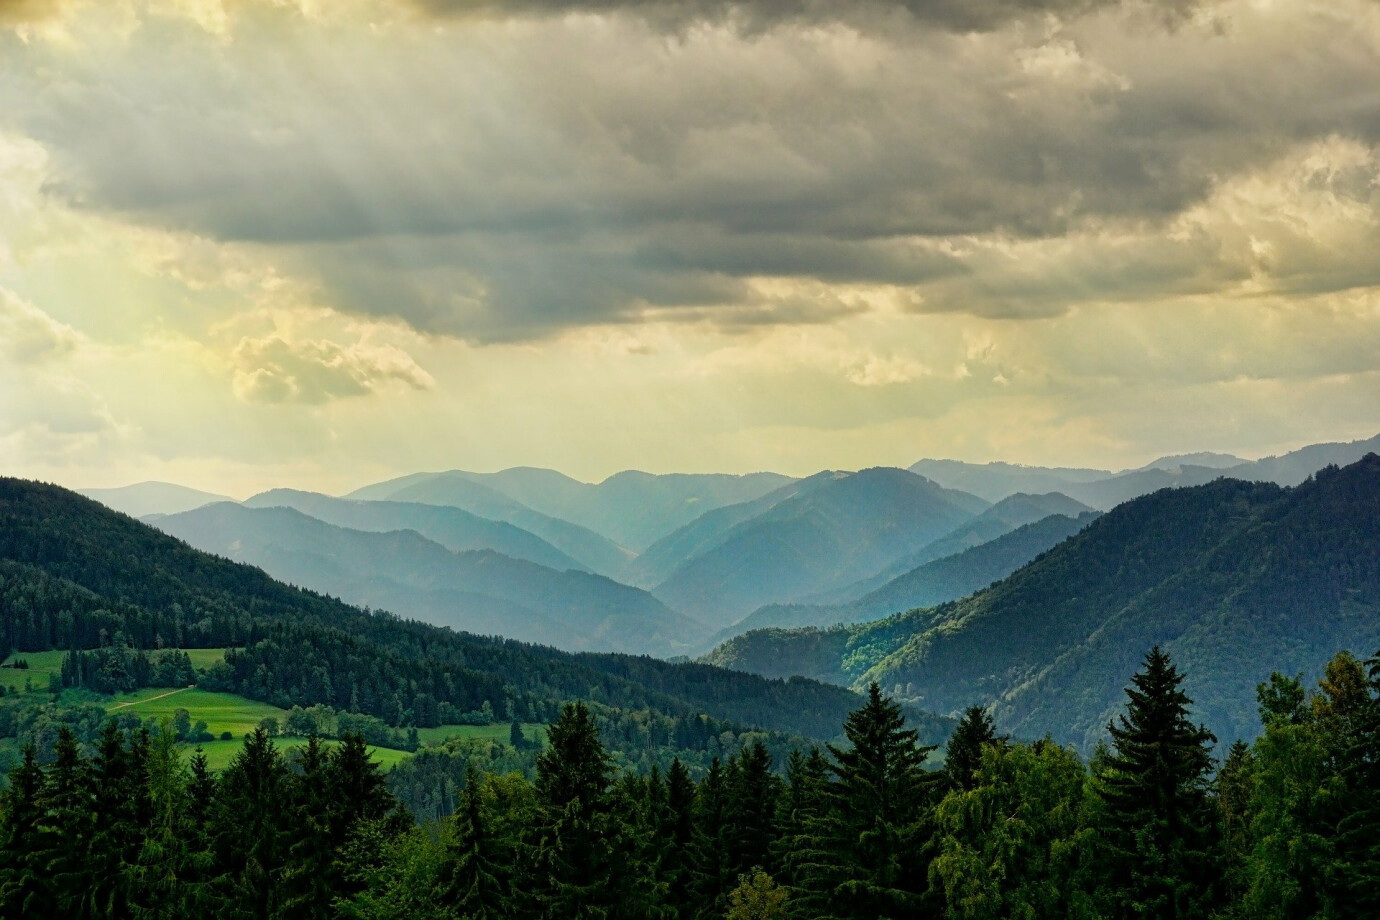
<point x="1232" y="577"/>
<point x="928" y="585"/>
<point x="481" y="592"/>
<point x="841" y="530"/>
<point x="74" y="574"/>
<point x="456" y="490"/>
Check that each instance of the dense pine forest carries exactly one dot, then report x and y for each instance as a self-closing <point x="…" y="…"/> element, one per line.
<point x="1151" y="827"/>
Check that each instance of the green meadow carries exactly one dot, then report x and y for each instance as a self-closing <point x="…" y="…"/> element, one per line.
<point x="222" y="712"/>
<point x="41" y="664"/>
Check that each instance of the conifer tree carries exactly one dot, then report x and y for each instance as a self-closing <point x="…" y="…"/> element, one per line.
<point x="874" y="840"/>
<point x="963" y="755"/>
<point x="1160" y="827"/>
<point x="575" y="840"/>
<point x="711" y="880"/>
<point x="477" y="878"/>
<point x="678" y="830"/>
<point x="750" y="818"/>
<point x="25" y="884"/>
<point x="311" y="877"/>
<point x="169" y="872"/>
<point x="66" y="825"/>
<point x="250" y="829"/>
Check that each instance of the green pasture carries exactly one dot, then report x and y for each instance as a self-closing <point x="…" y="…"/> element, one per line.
<point x="223" y="712"/>
<point x="220" y="753"/>
<point x="41" y="664"/>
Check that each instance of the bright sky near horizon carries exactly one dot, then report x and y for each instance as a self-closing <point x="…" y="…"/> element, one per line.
<point x="247" y="243"/>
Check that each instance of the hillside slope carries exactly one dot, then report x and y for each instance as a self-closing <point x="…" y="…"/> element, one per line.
<point x="457" y="490"/>
<point x="840" y="531"/>
<point x="74" y="574"/>
<point x="1230" y="577"/>
<point x="453" y="528"/>
<point x="928" y="585"/>
<point x="475" y="591"/>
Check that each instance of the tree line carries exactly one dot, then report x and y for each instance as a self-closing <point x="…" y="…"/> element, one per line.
<point x="1150" y="827"/>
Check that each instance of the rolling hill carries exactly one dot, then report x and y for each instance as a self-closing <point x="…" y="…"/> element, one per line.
<point x="1230" y="577"/>
<point x="457" y="490"/>
<point x="475" y="591"/>
<point x="841" y="529"/>
<point x="74" y="574"/>
<point x="927" y="585"/>
<point x="453" y="528"/>
<point x="632" y="508"/>
<point x="147" y="498"/>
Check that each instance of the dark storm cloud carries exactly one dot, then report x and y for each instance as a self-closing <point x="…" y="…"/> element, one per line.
<point x="16" y="11"/>
<point x="752" y="15"/>
<point x="509" y="181"/>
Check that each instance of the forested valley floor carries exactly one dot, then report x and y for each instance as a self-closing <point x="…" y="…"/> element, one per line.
<point x="1151" y="826"/>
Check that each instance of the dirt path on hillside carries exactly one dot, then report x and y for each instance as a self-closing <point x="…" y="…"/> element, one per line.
<point x="149" y="699"/>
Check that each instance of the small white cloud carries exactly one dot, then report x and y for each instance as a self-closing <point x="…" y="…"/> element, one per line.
<point x="28" y="335"/>
<point x="275" y="370"/>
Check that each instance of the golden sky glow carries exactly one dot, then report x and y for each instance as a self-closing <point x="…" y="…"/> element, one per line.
<point x="247" y="243"/>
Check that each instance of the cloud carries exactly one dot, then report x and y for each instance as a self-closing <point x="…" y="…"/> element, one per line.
<point x="274" y="370"/>
<point x="17" y="11"/>
<point x="30" y="336"/>
<point x="755" y="15"/>
<point x="501" y="181"/>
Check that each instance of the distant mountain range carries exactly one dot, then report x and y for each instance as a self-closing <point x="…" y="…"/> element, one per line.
<point x="1229" y="577"/>
<point x="74" y="574"/>
<point x="1104" y="489"/>
<point x="927" y="585"/>
<point x="632" y="509"/>
<point x="686" y="560"/>
<point x="843" y="528"/>
<point x="479" y="591"/>
<point x="146" y="498"/>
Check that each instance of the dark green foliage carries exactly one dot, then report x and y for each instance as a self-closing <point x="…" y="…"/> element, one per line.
<point x="964" y="752"/>
<point x="122" y="826"/>
<point x="872" y="844"/>
<point x="1159" y="830"/>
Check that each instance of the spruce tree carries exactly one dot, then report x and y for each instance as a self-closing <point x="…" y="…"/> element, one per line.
<point x="874" y="841"/>
<point x="251" y="829"/>
<point x="477" y="878"/>
<point x="711" y="881"/>
<point x="25" y="883"/>
<point x="1160" y="826"/>
<point x="66" y="826"/>
<point x="679" y="834"/>
<point x="575" y="840"/>
<point x="753" y="791"/>
<point x="963" y="755"/>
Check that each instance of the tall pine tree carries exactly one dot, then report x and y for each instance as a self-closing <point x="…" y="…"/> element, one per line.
<point x="1160" y="827"/>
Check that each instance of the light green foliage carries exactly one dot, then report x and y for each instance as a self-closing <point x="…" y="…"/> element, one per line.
<point x="757" y="897"/>
<point x="1005" y="844"/>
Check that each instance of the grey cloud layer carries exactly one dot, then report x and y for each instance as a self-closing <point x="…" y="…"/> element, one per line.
<point x="752" y="15"/>
<point x="499" y="182"/>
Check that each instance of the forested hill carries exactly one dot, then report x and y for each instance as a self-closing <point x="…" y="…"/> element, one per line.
<point x="74" y="574"/>
<point x="1234" y="578"/>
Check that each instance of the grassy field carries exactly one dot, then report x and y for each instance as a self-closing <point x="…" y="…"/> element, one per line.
<point x="41" y="664"/>
<point x="220" y="753"/>
<point x="222" y="712"/>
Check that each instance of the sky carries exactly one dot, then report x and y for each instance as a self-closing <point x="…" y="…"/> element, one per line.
<point x="317" y="243"/>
